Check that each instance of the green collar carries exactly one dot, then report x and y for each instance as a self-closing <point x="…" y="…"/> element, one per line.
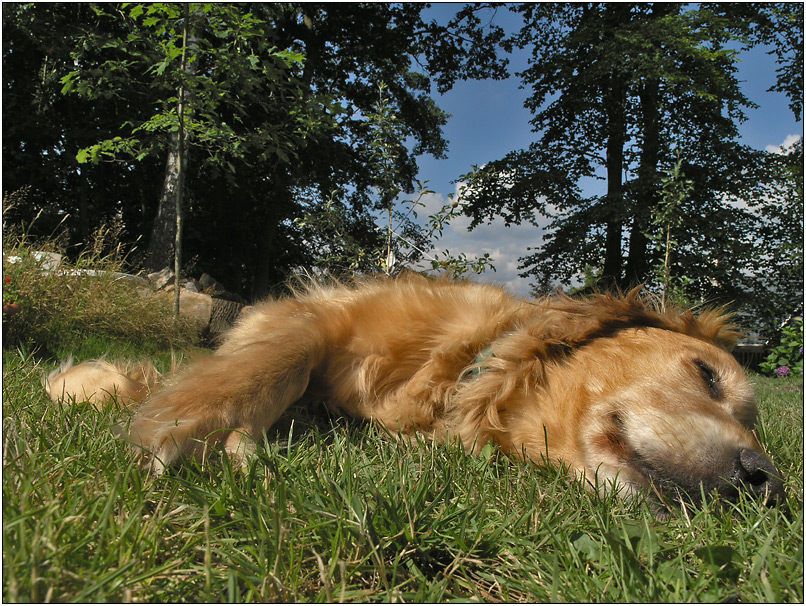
<point x="482" y="357"/>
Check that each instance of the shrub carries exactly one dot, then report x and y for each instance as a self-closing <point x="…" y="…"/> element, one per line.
<point x="787" y="358"/>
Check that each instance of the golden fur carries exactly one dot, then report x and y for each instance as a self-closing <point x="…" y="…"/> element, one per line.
<point x="99" y="382"/>
<point x="621" y="393"/>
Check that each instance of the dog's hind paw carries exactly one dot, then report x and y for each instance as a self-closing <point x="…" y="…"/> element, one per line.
<point x="167" y="447"/>
<point x="240" y="447"/>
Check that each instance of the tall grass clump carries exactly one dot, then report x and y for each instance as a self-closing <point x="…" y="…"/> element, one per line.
<point x="64" y="303"/>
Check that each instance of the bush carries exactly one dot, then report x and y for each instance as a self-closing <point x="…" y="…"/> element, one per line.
<point x="787" y="358"/>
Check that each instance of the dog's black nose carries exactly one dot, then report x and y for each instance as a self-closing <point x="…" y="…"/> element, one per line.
<point x="755" y="473"/>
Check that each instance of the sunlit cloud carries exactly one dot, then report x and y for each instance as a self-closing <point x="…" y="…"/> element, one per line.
<point x="788" y="143"/>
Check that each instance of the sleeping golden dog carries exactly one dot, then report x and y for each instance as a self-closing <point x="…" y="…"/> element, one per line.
<point x="625" y="396"/>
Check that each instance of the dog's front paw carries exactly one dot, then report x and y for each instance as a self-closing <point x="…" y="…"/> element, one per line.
<point x="149" y="461"/>
<point x="156" y="452"/>
<point x="159" y="443"/>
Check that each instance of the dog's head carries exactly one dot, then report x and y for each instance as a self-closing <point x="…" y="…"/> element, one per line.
<point x="674" y="414"/>
<point x="650" y="401"/>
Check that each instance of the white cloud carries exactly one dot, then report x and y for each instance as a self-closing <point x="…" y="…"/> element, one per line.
<point x="785" y="146"/>
<point x="504" y="244"/>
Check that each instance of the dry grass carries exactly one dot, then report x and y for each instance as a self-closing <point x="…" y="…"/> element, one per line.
<point x="84" y="299"/>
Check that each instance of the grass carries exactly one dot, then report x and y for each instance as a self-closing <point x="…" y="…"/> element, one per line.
<point x="65" y="311"/>
<point x="334" y="510"/>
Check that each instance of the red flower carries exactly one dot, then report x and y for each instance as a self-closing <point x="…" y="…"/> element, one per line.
<point x="7" y="279"/>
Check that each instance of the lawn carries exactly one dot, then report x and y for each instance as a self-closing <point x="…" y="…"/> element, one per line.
<point x="334" y="510"/>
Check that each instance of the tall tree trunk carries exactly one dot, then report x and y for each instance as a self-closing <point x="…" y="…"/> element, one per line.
<point x="160" y="251"/>
<point x="647" y="194"/>
<point x="180" y="165"/>
<point x="615" y="101"/>
<point x="162" y="244"/>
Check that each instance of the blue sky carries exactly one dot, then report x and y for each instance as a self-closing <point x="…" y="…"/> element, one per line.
<point x="489" y="120"/>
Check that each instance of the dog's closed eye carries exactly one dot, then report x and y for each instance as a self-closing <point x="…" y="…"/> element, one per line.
<point x="710" y="379"/>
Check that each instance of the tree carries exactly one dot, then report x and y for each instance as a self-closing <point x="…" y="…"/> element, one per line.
<point x="270" y="133"/>
<point x="205" y="66"/>
<point x="350" y="50"/>
<point x="44" y="130"/>
<point x="615" y="89"/>
<point x="776" y="198"/>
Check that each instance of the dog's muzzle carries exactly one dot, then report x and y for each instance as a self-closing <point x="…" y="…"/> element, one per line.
<point x="748" y="473"/>
<point x="754" y="474"/>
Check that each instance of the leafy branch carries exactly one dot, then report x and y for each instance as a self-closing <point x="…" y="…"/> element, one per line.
<point x="675" y="189"/>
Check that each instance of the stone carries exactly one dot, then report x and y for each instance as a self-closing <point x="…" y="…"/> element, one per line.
<point x="48" y="261"/>
<point x="161" y="278"/>
<point x="195" y="304"/>
<point x="224" y="314"/>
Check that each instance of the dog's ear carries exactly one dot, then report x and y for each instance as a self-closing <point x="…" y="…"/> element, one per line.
<point x="712" y="325"/>
<point x="575" y="322"/>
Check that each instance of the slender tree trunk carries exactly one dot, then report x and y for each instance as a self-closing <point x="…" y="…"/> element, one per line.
<point x="615" y="101"/>
<point x="637" y="263"/>
<point x="180" y="162"/>
<point x="162" y="244"/>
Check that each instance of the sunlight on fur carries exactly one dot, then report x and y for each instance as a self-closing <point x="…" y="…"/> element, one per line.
<point x="99" y="382"/>
<point x="621" y="392"/>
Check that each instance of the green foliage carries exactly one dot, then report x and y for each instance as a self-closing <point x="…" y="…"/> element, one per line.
<point x="407" y="242"/>
<point x="282" y="92"/>
<point x="330" y="229"/>
<point x="150" y="43"/>
<point x="337" y="511"/>
<point x="776" y="237"/>
<point x="615" y="88"/>
<point x="280" y="96"/>
<point x="668" y="217"/>
<point x="786" y="358"/>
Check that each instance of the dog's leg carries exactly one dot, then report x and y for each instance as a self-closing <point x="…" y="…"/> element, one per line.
<point x="226" y="398"/>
